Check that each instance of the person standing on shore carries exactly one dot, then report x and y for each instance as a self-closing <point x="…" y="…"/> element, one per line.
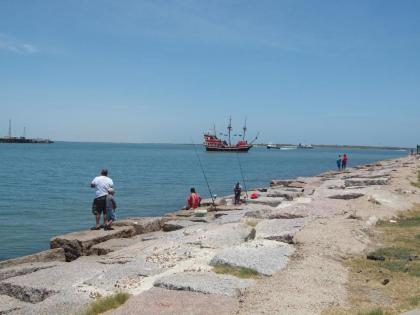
<point x="339" y="163"/>
<point x="344" y="162"/>
<point x="237" y="190"/>
<point x="194" y="200"/>
<point x="101" y="184"/>
<point x="111" y="205"/>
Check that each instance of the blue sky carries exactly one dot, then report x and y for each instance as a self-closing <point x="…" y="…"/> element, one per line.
<point x="336" y="72"/>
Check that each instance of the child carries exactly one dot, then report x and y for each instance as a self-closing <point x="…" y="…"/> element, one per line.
<point x="111" y="205"/>
<point x="339" y="163"/>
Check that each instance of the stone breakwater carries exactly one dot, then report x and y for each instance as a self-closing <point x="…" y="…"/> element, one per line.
<point x="167" y="262"/>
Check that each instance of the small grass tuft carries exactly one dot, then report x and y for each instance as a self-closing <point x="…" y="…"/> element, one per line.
<point x="251" y="222"/>
<point x="417" y="184"/>
<point x="240" y="272"/>
<point x="414" y="301"/>
<point x="377" y="311"/>
<point x="107" y="303"/>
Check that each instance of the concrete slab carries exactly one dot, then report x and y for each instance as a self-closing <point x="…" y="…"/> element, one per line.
<point x="9" y="304"/>
<point x="269" y="201"/>
<point x="142" y="224"/>
<point x="277" y="228"/>
<point x="50" y="255"/>
<point x="204" y="282"/>
<point x="78" y="244"/>
<point x="264" y="256"/>
<point x="158" y="301"/>
<point x="366" y="181"/>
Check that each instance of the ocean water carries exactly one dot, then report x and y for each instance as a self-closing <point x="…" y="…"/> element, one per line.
<point x="45" y="189"/>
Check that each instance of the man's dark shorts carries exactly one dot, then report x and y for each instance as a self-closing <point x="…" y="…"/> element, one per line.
<point x="99" y="205"/>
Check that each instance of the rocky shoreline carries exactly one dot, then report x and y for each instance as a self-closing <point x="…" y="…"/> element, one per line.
<point x="167" y="263"/>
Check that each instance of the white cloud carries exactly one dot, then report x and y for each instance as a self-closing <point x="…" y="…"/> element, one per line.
<point x="12" y="45"/>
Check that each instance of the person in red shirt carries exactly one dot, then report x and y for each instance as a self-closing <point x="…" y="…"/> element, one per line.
<point x="194" y="200"/>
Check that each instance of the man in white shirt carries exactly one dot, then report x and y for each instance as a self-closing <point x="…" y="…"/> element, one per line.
<point x="101" y="184"/>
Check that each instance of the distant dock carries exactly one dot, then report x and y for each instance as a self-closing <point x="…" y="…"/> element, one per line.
<point x="23" y="139"/>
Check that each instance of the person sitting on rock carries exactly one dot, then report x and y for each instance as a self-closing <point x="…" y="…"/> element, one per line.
<point x="111" y="205"/>
<point x="237" y="190"/>
<point x="194" y="200"/>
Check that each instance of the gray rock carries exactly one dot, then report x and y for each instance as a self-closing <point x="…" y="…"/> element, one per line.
<point x="174" y="225"/>
<point x="287" y="194"/>
<point x="50" y="255"/>
<point x="158" y="301"/>
<point x="264" y="256"/>
<point x="287" y="183"/>
<point x="269" y="201"/>
<point x="77" y="244"/>
<point x="9" y="304"/>
<point x="204" y="282"/>
<point x="366" y="181"/>
<point x="24" y="269"/>
<point x="25" y="293"/>
<point x="271" y="214"/>
<point x="272" y="229"/>
<point x="346" y="196"/>
<point x="114" y="245"/>
<point x="219" y="236"/>
<point x="230" y="217"/>
<point x="142" y="224"/>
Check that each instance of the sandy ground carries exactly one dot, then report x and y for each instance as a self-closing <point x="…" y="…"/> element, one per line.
<point x="316" y="279"/>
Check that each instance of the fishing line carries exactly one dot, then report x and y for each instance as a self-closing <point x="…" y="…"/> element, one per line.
<point x="204" y="174"/>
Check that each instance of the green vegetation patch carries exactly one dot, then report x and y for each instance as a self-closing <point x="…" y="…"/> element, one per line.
<point x="240" y="272"/>
<point x="107" y="303"/>
<point x="417" y="184"/>
<point x="388" y="286"/>
<point x="377" y="311"/>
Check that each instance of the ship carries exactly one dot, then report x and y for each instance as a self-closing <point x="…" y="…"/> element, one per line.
<point x="11" y="139"/>
<point x="213" y="143"/>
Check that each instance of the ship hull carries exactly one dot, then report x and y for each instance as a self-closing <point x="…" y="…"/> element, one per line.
<point x="228" y="149"/>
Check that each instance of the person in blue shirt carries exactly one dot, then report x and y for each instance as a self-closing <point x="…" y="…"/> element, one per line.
<point x="339" y="163"/>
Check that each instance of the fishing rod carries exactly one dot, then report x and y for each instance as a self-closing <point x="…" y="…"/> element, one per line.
<point x="242" y="174"/>
<point x="204" y="173"/>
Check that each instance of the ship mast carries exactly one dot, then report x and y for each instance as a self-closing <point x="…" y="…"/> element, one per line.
<point x="230" y="128"/>
<point x="244" y="129"/>
<point x="10" y="128"/>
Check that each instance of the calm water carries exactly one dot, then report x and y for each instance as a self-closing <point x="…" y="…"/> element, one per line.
<point x="45" y="188"/>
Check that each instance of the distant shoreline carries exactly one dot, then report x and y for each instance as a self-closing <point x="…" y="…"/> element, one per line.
<point x="333" y="146"/>
<point x="344" y="146"/>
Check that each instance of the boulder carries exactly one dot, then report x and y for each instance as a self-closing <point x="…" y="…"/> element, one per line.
<point x="346" y="196"/>
<point x="174" y="225"/>
<point x="204" y="282"/>
<point x="142" y="224"/>
<point x="158" y="301"/>
<point x="78" y="244"/>
<point x="366" y="181"/>
<point x="269" y="201"/>
<point x="26" y="268"/>
<point x="50" y="255"/>
<point x="264" y="256"/>
<point x="278" y="229"/>
<point x="288" y="194"/>
<point x="287" y="183"/>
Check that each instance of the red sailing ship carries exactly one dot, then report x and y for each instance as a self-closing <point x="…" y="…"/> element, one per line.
<point x="213" y="143"/>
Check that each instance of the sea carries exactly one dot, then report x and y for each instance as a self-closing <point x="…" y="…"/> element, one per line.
<point x="45" y="189"/>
